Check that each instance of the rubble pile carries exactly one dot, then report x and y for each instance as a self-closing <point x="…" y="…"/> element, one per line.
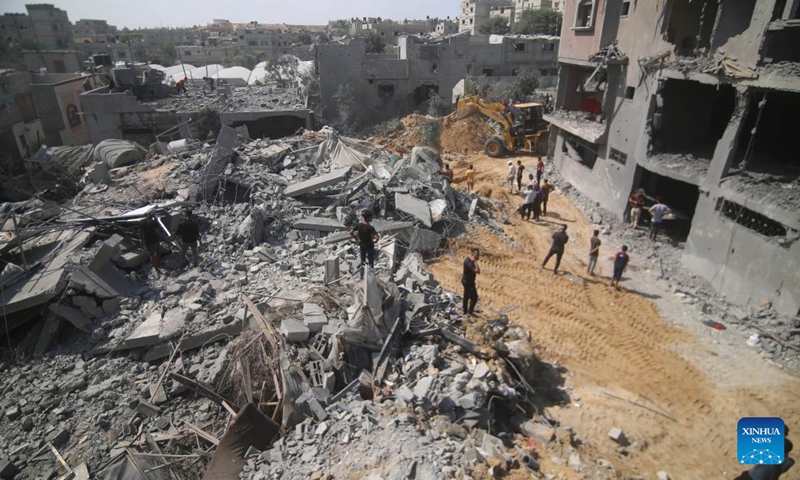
<point x="461" y="136"/>
<point x="275" y="326"/>
<point x="231" y="99"/>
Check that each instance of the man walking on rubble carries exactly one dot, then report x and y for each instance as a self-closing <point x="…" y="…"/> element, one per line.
<point x="621" y="260"/>
<point x="560" y="239"/>
<point x="471" y="269"/>
<point x="520" y="169"/>
<point x="189" y="231"/>
<point x="151" y="235"/>
<point x="366" y="236"/>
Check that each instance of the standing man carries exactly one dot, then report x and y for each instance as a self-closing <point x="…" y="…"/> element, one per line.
<point x="539" y="170"/>
<point x="636" y="202"/>
<point x="657" y="211"/>
<point x="546" y="189"/>
<point x="594" y="252"/>
<point x="470" y="176"/>
<point x="527" y="205"/>
<point x="447" y="173"/>
<point x="621" y="260"/>
<point x="560" y="239"/>
<point x="520" y="169"/>
<point x="151" y="234"/>
<point x="189" y="231"/>
<point x="366" y="236"/>
<point x="512" y="173"/>
<point x="471" y="269"/>
<point x="537" y="203"/>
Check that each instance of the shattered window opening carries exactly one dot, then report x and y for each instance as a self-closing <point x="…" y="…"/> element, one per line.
<point x="386" y="90"/>
<point x="585" y="150"/>
<point x="519" y="47"/>
<point x="584" y="14"/>
<point x="626" y="7"/>
<point x="630" y="92"/>
<point x="750" y="219"/>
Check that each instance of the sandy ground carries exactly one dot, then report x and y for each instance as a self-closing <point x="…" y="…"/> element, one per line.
<point x="641" y="344"/>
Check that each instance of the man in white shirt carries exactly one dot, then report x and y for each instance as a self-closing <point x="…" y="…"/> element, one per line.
<point x="527" y="205"/>
<point x="657" y="211"/>
<point x="512" y="173"/>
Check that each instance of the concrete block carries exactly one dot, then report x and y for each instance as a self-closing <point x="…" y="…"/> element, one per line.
<point x="7" y="469"/>
<point x="331" y="270"/>
<point x="147" y="409"/>
<point x="145" y="334"/>
<point x="174" y="323"/>
<point x="314" y="317"/>
<point x="88" y="306"/>
<point x="538" y="431"/>
<point x="294" y="331"/>
<point x="423" y="387"/>
<point x="492" y="446"/>
<point x="618" y="436"/>
<point x="415" y="207"/>
<point x="59" y="437"/>
<point x="103" y="257"/>
<point x="111" y="306"/>
<point x="320" y="224"/>
<point x="317" y="183"/>
<point x="481" y="371"/>
<point x="329" y="381"/>
<point x="13" y="413"/>
<point x="52" y="325"/>
<point x="73" y="316"/>
<point x="158" y="394"/>
<point x="662" y="475"/>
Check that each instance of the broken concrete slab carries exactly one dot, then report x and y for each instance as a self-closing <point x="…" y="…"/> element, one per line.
<point x="73" y="316"/>
<point x="331" y="270"/>
<point x="321" y="224"/>
<point x="105" y="283"/>
<point x="314" y="317"/>
<point x="415" y="207"/>
<point x="145" y="334"/>
<point x="618" y="436"/>
<point x="294" y="331"/>
<point x="52" y="325"/>
<point x="223" y="150"/>
<point x="174" y="322"/>
<point x="421" y="239"/>
<point x="195" y="340"/>
<point x="380" y="226"/>
<point x="316" y="183"/>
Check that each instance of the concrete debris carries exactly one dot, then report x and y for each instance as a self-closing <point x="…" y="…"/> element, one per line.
<point x="317" y="183"/>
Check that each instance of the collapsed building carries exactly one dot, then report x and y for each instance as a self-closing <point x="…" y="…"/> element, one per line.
<point x="387" y="85"/>
<point x="699" y="115"/>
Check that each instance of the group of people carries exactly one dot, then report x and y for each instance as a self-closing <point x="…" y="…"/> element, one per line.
<point x="657" y="213"/>
<point x="151" y="233"/>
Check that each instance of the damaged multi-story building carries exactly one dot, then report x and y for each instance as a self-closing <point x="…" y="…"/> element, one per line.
<point x="692" y="101"/>
<point x="387" y="85"/>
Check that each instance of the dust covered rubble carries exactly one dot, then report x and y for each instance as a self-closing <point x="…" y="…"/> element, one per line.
<point x="86" y="392"/>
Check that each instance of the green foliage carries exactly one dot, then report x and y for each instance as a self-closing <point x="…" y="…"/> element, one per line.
<point x="478" y="87"/>
<point x="543" y="21"/>
<point x="375" y="43"/>
<point x="518" y="88"/>
<point x="304" y="38"/>
<point x="33" y="45"/>
<point x="431" y="130"/>
<point x="495" y="26"/>
<point x="388" y="127"/>
<point x="167" y="54"/>
<point x="528" y="81"/>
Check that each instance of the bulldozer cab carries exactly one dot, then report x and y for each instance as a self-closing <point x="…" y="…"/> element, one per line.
<point x="528" y="118"/>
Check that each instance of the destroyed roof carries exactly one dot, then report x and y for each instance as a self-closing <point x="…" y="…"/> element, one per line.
<point x="237" y="76"/>
<point x="205" y="71"/>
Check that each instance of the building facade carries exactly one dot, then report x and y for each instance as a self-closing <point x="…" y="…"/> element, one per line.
<point x="389" y="85"/>
<point x="44" y="24"/>
<point x="21" y="132"/>
<point x="475" y="13"/>
<point x="94" y="31"/>
<point x="557" y="5"/>
<point x="697" y="115"/>
<point x="390" y="28"/>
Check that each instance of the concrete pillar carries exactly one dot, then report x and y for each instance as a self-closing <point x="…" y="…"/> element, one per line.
<point x="725" y="151"/>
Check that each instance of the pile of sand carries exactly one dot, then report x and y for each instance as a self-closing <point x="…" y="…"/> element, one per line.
<point x="462" y="136"/>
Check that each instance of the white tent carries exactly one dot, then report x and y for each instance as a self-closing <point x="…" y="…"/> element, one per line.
<point x="177" y="72"/>
<point x="260" y="65"/>
<point x="258" y="75"/>
<point x="236" y="76"/>
<point x="156" y="66"/>
<point x="196" y="74"/>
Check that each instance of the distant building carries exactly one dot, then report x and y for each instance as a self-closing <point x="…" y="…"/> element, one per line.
<point x="390" y="28"/>
<point x="44" y="24"/>
<point x="388" y="85"/>
<point x="58" y="103"/>
<point x="60" y="61"/>
<point x="260" y="39"/>
<point x="446" y="27"/>
<point x="557" y="5"/>
<point x="21" y="132"/>
<point x="94" y="31"/>
<point x="475" y="13"/>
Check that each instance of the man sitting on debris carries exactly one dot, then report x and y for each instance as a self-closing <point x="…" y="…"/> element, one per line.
<point x="636" y="202"/>
<point x="189" y="231"/>
<point x="151" y="235"/>
<point x="367" y="237"/>
<point x="560" y="239"/>
<point x="447" y="172"/>
<point x="471" y="269"/>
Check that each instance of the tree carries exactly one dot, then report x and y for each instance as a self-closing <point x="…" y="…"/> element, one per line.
<point x="33" y="45"/>
<point x="543" y="21"/>
<point x="527" y="81"/>
<point x="304" y="38"/>
<point x="375" y="43"/>
<point x="167" y="53"/>
<point x="495" y="26"/>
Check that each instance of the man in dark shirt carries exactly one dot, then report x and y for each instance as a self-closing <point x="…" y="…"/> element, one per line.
<point x="471" y="269"/>
<point x="621" y="260"/>
<point x="594" y="251"/>
<point x="537" y="203"/>
<point x="189" y="231"/>
<point x="520" y="169"/>
<point x="151" y="235"/>
<point x="560" y="239"/>
<point x="367" y="237"/>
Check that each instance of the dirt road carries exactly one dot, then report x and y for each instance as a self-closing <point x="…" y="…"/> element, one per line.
<point x="617" y="348"/>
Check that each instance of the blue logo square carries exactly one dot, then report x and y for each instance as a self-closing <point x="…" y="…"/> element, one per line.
<point x="760" y="441"/>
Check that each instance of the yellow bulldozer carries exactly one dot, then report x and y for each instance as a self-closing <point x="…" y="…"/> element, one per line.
<point x="521" y="126"/>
